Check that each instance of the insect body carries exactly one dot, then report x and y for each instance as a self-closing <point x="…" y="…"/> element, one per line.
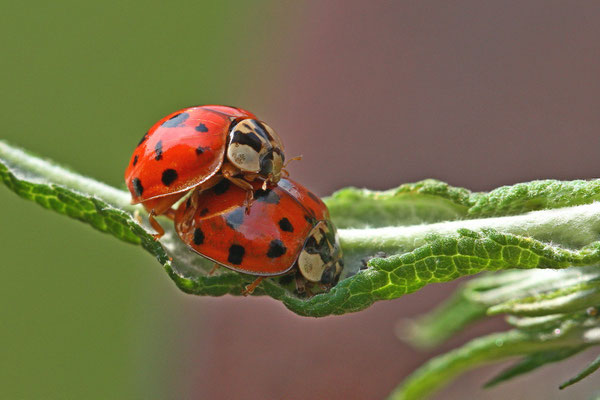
<point x="286" y="229"/>
<point x="194" y="148"/>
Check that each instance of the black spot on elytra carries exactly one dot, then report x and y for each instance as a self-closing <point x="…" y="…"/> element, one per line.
<point x="276" y="249"/>
<point x="201" y="127"/>
<point x="168" y="176"/>
<point x="158" y="150"/>
<point x="221" y="187"/>
<point x="135" y="160"/>
<point x="203" y="212"/>
<point x="248" y="139"/>
<point x="200" y="150"/>
<point x="285" y="225"/>
<point x="314" y="197"/>
<point x="266" y="195"/>
<point x="143" y="138"/>
<point x="235" y="218"/>
<point x="309" y="219"/>
<point x="198" y="236"/>
<point x="138" y="189"/>
<point x="176" y="120"/>
<point x="236" y="254"/>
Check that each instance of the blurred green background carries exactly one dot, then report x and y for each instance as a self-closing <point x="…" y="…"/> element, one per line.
<point x="84" y="316"/>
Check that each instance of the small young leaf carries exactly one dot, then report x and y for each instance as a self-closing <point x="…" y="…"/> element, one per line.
<point x="559" y="301"/>
<point x="427" y="201"/>
<point x="438" y="371"/>
<point x="594" y="365"/>
<point x="485" y="294"/>
<point x="532" y="362"/>
<point x="431" y="201"/>
<point x="440" y="324"/>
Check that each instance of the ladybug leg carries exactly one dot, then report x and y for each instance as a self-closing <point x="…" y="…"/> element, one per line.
<point x="214" y="269"/>
<point x="212" y="181"/>
<point x="156" y="226"/>
<point x="309" y="292"/>
<point x="250" y="288"/>
<point x="161" y="206"/>
<point x="300" y="283"/>
<point x="242" y="183"/>
<point x="137" y="216"/>
<point x="249" y="200"/>
<point x="247" y="187"/>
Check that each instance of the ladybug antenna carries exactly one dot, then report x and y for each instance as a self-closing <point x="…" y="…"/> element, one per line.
<point x="284" y="171"/>
<point x="297" y="158"/>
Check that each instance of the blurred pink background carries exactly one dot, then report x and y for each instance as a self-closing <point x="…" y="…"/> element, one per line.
<point x="478" y="94"/>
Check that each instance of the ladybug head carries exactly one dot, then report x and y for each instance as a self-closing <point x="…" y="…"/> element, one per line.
<point x="321" y="258"/>
<point x="254" y="147"/>
<point x="271" y="165"/>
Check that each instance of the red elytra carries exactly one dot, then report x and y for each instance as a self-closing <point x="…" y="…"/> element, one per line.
<point x="285" y="227"/>
<point x="196" y="146"/>
<point x="181" y="151"/>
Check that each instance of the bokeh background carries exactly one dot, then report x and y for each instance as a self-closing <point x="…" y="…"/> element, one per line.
<point x="374" y="94"/>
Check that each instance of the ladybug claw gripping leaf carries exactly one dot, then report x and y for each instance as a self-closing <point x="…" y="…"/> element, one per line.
<point x="250" y="288"/>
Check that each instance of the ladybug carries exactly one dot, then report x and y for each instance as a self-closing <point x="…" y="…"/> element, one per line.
<point x="196" y="147"/>
<point x="286" y="230"/>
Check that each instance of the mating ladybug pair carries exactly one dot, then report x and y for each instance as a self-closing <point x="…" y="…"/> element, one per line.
<point x="242" y="213"/>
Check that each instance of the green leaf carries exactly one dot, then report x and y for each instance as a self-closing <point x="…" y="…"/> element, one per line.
<point x="594" y="365"/>
<point x="572" y="333"/>
<point x="564" y="300"/>
<point x="565" y="315"/>
<point x="432" y="201"/>
<point x="450" y="317"/>
<point x="540" y="292"/>
<point x="427" y="201"/>
<point x="419" y="254"/>
<point x="56" y="188"/>
<point x="534" y="361"/>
